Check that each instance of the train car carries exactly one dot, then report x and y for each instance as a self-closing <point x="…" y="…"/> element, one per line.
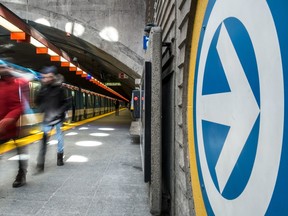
<point x="84" y="104"/>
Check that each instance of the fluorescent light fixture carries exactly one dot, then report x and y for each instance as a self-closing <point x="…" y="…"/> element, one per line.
<point x="36" y="43"/>
<point x="63" y="59"/>
<point x="110" y="34"/>
<point x="9" y="26"/>
<point x="75" y="29"/>
<point x="72" y="65"/>
<point x="7" y="46"/>
<point x="43" y="22"/>
<point x="52" y="53"/>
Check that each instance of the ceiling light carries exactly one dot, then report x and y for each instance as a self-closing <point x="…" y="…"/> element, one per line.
<point x="36" y="43"/>
<point x="109" y="34"/>
<point x="9" y="26"/>
<point x="63" y="59"/>
<point x="43" y="22"/>
<point x="52" y="53"/>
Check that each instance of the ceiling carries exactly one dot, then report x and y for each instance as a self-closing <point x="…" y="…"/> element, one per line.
<point x="83" y="54"/>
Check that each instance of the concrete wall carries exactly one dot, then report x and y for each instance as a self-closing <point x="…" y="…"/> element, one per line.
<point x="190" y="28"/>
<point x="125" y="16"/>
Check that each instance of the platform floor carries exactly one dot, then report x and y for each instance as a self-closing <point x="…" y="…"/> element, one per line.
<point x="102" y="175"/>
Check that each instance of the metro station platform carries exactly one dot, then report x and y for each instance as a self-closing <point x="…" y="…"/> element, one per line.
<point x="102" y="174"/>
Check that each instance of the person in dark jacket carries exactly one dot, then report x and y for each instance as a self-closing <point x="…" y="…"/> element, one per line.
<point x="53" y="102"/>
<point x="13" y="92"/>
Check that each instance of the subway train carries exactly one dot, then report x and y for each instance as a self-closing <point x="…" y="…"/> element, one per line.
<point x="84" y="104"/>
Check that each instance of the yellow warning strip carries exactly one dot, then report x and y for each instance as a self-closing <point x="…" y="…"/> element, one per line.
<point x="196" y="188"/>
<point x="10" y="145"/>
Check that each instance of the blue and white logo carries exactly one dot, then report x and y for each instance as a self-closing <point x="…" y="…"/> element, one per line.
<point x="145" y="42"/>
<point x="239" y="107"/>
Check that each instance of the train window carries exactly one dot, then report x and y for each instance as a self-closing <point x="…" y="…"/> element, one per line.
<point x="97" y="103"/>
<point x="89" y="104"/>
<point x="34" y="89"/>
<point x="84" y="101"/>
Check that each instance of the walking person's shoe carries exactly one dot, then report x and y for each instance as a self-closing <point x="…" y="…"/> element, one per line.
<point x="20" y="179"/>
<point x="60" y="159"/>
<point x="39" y="169"/>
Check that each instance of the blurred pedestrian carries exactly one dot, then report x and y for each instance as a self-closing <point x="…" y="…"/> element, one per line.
<point x="52" y="101"/>
<point x="13" y="92"/>
<point x="117" y="104"/>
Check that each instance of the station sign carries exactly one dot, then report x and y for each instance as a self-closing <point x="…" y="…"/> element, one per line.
<point x="239" y="106"/>
<point x="145" y="42"/>
<point x="113" y="84"/>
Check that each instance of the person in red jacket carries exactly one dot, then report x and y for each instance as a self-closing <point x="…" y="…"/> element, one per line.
<point x="13" y="90"/>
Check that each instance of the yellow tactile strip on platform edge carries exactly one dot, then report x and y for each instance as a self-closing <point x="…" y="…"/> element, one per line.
<point x="10" y="145"/>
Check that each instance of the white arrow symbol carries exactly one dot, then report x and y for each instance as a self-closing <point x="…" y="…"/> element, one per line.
<point x="237" y="109"/>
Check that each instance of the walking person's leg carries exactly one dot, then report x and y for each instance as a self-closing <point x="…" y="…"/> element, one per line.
<point x="20" y="179"/>
<point x="60" y="146"/>
<point x="43" y="148"/>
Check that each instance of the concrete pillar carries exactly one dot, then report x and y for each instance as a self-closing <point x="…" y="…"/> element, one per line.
<point x="154" y="55"/>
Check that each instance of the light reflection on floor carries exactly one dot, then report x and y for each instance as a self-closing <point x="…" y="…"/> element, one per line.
<point x="83" y="128"/>
<point x="71" y="134"/>
<point x="53" y="142"/>
<point x="106" y="129"/>
<point x="20" y="157"/>
<point x="100" y="134"/>
<point x="88" y="143"/>
<point x="77" y="159"/>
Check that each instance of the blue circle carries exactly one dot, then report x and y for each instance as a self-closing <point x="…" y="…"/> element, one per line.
<point x="215" y="82"/>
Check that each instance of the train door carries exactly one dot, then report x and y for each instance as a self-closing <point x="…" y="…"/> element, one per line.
<point x="69" y="113"/>
<point x="89" y="108"/>
<point x="102" y="105"/>
<point x="78" y="105"/>
<point x="110" y="105"/>
<point x="84" y="99"/>
<point x="73" y="105"/>
<point x="97" y="105"/>
<point x="105" y="105"/>
<point x="94" y="104"/>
